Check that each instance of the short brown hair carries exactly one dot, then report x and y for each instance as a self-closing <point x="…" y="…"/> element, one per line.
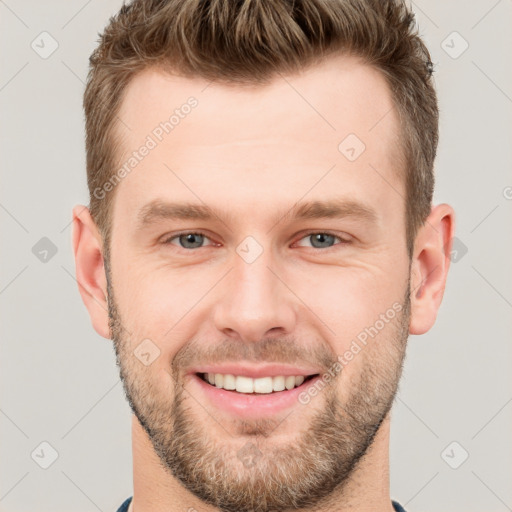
<point x="249" y="42"/>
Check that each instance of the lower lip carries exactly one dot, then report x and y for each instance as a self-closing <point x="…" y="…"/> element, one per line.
<point x="250" y="404"/>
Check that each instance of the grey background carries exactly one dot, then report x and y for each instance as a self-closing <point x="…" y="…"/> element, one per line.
<point x="59" y="382"/>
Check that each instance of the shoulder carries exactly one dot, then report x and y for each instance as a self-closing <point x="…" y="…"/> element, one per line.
<point x="397" y="506"/>
<point x="126" y="506"/>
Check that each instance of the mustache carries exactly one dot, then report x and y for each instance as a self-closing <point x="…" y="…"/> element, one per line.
<point x="269" y="350"/>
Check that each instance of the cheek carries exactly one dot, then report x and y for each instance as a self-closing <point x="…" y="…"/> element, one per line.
<point x="160" y="305"/>
<point x="358" y="310"/>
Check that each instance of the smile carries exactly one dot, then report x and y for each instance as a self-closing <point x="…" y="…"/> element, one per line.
<point x="248" y="385"/>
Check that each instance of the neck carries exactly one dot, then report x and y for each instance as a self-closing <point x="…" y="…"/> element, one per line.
<point x="156" y="490"/>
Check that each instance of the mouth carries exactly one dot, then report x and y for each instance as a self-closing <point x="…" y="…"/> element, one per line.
<point x="240" y="384"/>
<point x="251" y="392"/>
<point x="247" y="400"/>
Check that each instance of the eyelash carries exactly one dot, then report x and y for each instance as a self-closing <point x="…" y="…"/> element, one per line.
<point x="167" y="241"/>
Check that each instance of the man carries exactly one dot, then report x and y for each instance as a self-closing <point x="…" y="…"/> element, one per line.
<point x="260" y="242"/>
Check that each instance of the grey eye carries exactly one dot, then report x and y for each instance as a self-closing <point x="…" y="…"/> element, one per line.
<point x="194" y="239"/>
<point x="322" y="240"/>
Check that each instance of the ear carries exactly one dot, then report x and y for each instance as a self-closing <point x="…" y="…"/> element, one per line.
<point x="90" y="270"/>
<point x="429" y="267"/>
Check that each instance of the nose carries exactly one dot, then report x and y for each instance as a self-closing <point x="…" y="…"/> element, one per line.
<point x="255" y="301"/>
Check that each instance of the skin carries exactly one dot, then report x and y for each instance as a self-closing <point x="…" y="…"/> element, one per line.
<point x="253" y="152"/>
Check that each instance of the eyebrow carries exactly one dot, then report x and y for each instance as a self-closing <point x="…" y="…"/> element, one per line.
<point x="158" y="210"/>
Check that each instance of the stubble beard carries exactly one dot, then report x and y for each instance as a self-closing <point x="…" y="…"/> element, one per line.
<point x="274" y="475"/>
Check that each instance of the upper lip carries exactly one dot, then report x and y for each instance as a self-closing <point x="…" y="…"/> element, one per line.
<point x="255" y="372"/>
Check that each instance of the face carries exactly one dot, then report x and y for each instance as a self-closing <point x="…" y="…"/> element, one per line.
<point x="249" y="242"/>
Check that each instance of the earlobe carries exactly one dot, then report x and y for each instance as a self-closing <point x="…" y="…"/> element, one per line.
<point x="429" y="268"/>
<point x="90" y="270"/>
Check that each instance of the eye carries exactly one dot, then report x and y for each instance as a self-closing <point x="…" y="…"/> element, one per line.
<point x="187" y="240"/>
<point x="194" y="240"/>
<point x="323" y="240"/>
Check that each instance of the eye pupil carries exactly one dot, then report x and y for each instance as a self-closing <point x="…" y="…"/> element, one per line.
<point x="321" y="238"/>
<point x="189" y="238"/>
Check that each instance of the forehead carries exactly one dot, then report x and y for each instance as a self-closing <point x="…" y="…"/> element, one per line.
<point x="250" y="138"/>
<point x="341" y="94"/>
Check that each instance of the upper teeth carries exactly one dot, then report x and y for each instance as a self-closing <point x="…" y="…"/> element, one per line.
<point x="248" y="385"/>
